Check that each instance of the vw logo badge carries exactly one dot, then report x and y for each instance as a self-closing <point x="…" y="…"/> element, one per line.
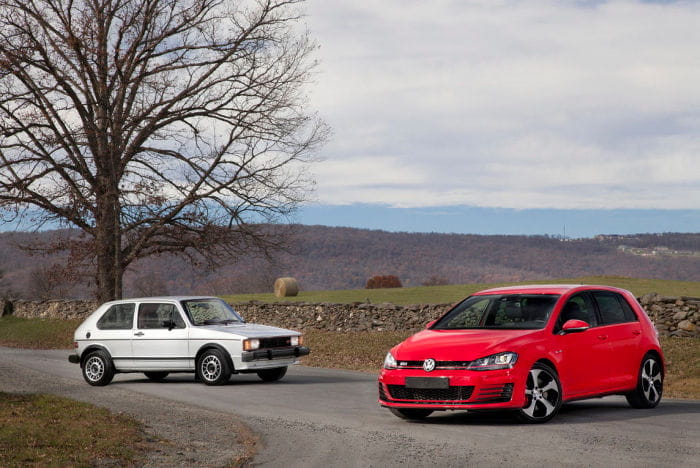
<point x="429" y="365"/>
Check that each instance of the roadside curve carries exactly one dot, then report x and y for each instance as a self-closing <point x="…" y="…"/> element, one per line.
<point x="325" y="417"/>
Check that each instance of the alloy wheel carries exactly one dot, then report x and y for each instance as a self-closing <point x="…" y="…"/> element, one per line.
<point x="651" y="380"/>
<point x="211" y="368"/>
<point x="94" y="368"/>
<point x="542" y="394"/>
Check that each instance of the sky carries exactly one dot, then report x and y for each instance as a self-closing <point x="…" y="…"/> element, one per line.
<point x="586" y="112"/>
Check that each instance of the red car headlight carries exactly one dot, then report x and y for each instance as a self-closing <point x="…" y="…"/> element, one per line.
<point x="494" y="362"/>
<point x="390" y="362"/>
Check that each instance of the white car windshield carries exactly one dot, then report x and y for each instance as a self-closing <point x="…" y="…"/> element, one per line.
<point x="210" y="311"/>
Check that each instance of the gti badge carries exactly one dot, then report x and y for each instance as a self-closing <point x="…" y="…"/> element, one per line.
<point x="429" y="365"/>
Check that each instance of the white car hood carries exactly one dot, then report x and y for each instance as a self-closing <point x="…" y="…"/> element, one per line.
<point x="249" y="330"/>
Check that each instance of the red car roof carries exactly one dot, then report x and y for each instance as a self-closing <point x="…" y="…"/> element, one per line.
<point x="545" y="289"/>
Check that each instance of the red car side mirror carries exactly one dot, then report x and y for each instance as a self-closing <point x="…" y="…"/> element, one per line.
<point x="430" y="324"/>
<point x="575" y="326"/>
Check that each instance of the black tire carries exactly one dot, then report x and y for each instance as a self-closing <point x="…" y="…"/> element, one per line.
<point x="650" y="384"/>
<point x="542" y="394"/>
<point x="213" y="368"/>
<point x="272" y="375"/>
<point x="156" y="376"/>
<point x="98" y="369"/>
<point x="413" y="414"/>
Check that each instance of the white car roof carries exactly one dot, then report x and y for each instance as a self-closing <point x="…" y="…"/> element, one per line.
<point x="160" y="298"/>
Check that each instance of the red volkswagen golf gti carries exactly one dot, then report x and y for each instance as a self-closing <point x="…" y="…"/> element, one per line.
<point x="528" y="349"/>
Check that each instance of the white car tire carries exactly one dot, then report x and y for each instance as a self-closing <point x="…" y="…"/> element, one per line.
<point x="213" y="368"/>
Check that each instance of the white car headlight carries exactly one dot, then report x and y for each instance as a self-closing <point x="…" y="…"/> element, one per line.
<point x="296" y="341"/>
<point x="390" y="362"/>
<point x="251" y="344"/>
<point x="494" y="362"/>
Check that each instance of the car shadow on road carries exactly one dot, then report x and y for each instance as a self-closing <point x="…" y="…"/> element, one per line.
<point x="251" y="379"/>
<point x="581" y="412"/>
<point x="619" y="410"/>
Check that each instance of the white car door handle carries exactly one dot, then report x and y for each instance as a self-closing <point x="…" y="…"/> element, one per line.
<point x="138" y="334"/>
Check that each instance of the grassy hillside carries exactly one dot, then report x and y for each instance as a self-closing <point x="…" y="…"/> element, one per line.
<point x="325" y="258"/>
<point x="453" y="293"/>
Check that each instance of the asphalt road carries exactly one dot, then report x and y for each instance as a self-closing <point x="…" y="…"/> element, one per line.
<point x="325" y="417"/>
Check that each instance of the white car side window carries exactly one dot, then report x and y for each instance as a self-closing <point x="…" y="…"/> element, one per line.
<point x="117" y="317"/>
<point x="154" y="315"/>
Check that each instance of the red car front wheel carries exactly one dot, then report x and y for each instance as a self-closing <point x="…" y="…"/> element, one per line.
<point x="542" y="395"/>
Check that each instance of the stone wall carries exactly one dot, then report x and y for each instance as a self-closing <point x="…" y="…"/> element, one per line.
<point x="342" y="317"/>
<point x="674" y="316"/>
<point x="55" y="309"/>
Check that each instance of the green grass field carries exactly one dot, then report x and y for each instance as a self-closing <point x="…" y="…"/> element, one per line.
<point x="37" y="334"/>
<point x="453" y="293"/>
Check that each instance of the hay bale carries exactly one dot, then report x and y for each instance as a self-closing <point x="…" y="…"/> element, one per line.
<point x="286" y="287"/>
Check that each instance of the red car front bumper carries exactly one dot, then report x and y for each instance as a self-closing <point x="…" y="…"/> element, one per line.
<point x="499" y="389"/>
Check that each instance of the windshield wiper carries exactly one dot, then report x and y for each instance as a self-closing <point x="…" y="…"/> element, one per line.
<point x="220" y="321"/>
<point x="213" y="321"/>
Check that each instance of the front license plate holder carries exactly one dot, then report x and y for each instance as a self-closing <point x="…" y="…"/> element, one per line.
<point x="427" y="382"/>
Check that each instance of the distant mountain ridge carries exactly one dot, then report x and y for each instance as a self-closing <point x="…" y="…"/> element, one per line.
<point x="344" y="258"/>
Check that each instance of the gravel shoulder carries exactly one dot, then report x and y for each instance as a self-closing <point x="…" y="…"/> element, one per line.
<point x="175" y="434"/>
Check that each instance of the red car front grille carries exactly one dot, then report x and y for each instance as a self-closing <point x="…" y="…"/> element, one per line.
<point x="452" y="395"/>
<point x="455" y="393"/>
<point x="439" y="365"/>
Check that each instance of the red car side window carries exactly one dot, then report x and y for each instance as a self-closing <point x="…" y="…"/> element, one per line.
<point x="579" y="307"/>
<point x="612" y="309"/>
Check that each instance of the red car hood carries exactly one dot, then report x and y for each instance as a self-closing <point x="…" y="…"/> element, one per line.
<point x="461" y="345"/>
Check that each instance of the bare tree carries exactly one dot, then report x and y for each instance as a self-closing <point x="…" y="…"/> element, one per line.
<point x="48" y="282"/>
<point x="5" y="291"/>
<point x="149" y="284"/>
<point x="154" y="126"/>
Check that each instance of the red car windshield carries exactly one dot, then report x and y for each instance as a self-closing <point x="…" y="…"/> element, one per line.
<point x="502" y="311"/>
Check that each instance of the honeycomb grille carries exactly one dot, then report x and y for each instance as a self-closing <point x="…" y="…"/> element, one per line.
<point x="456" y="393"/>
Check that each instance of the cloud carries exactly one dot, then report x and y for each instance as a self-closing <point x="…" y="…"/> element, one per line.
<point x="509" y="103"/>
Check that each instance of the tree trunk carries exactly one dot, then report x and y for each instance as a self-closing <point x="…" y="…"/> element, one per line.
<point x="108" y="247"/>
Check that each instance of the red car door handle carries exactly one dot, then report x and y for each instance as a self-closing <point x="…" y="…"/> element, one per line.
<point x="636" y="332"/>
<point x="602" y="337"/>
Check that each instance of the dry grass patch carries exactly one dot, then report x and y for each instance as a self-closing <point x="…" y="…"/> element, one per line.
<point x="45" y="430"/>
<point x="682" y="367"/>
<point x="363" y="351"/>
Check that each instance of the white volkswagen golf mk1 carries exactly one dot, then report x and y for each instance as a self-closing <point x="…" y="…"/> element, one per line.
<point x="160" y="335"/>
